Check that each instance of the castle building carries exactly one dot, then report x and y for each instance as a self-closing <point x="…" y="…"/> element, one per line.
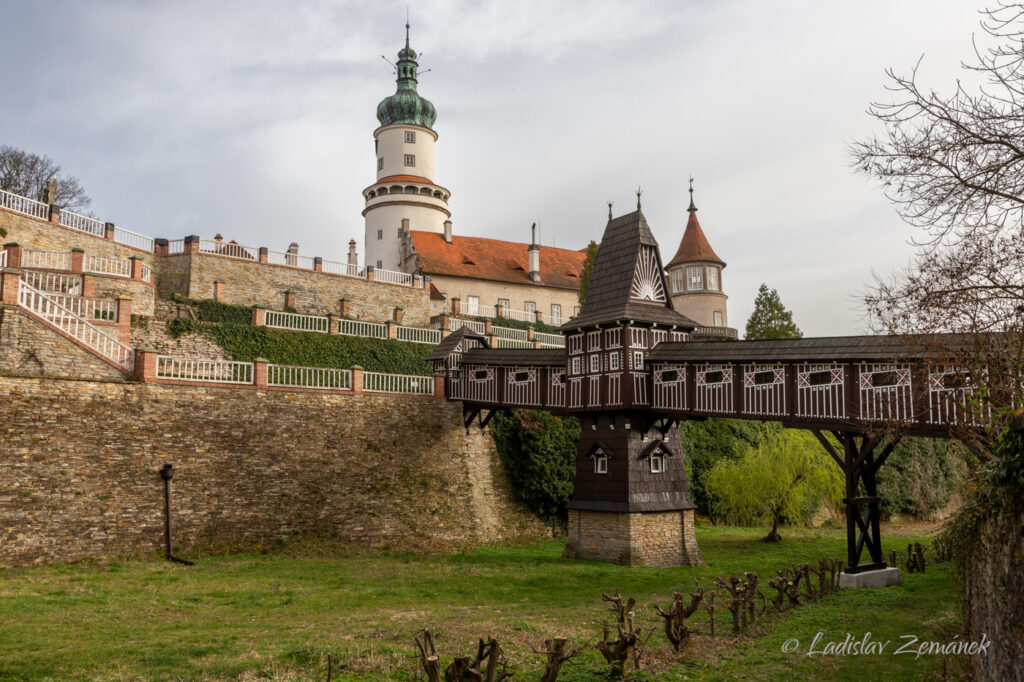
<point x="695" y="281"/>
<point x="404" y="153"/>
<point x="409" y="227"/>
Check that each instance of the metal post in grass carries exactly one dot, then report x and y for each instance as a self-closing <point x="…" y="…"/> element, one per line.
<point x="167" y="473"/>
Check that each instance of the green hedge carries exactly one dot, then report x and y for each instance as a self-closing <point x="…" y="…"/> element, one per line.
<point x="244" y="342"/>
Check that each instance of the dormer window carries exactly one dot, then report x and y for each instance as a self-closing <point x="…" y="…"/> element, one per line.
<point x="601" y="464"/>
<point x="657" y="464"/>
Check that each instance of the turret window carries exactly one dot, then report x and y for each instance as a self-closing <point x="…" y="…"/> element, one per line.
<point x="713" y="279"/>
<point x="410" y="136"/>
<point x="380" y="163"/>
<point x="719" y="322"/>
<point x="410" y="159"/>
<point x="695" y="277"/>
<point x="380" y="235"/>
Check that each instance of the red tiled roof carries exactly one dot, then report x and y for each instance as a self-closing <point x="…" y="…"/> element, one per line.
<point x="496" y="260"/>
<point x="694" y="246"/>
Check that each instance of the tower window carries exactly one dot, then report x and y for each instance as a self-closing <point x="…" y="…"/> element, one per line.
<point x="713" y="279"/>
<point x="380" y="163"/>
<point x="601" y="464"/>
<point x="399" y="231"/>
<point x="695" y="275"/>
<point x="410" y="136"/>
<point x="410" y="159"/>
<point x="380" y="264"/>
<point x="657" y="464"/>
<point x="380" y="234"/>
<point x="719" y="322"/>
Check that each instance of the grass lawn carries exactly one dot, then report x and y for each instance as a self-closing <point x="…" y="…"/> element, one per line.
<point x="276" y="616"/>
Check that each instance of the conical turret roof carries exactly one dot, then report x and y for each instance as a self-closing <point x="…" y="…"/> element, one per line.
<point x="694" y="247"/>
<point x="627" y="282"/>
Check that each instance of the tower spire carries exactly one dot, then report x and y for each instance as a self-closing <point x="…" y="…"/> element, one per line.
<point x="407" y="27"/>
<point x="610" y="209"/>
<point x="692" y="209"/>
<point x="638" y="193"/>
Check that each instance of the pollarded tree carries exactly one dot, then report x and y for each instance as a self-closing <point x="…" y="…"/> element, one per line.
<point x="785" y="479"/>
<point x="29" y="175"/>
<point x="771" y="319"/>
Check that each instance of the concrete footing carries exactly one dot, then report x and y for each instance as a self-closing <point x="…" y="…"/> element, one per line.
<point x="883" y="577"/>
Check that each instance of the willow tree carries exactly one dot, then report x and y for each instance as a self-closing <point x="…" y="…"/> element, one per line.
<point x="785" y="479"/>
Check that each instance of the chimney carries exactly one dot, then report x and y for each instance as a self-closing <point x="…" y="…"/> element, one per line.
<point x="448" y="231"/>
<point x="534" y="255"/>
<point x="353" y="258"/>
<point x="293" y="249"/>
<point x="405" y="228"/>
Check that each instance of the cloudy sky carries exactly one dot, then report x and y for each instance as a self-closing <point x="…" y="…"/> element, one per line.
<point x="255" y="118"/>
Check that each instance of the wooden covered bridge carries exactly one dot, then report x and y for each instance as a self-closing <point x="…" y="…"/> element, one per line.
<point x="630" y="373"/>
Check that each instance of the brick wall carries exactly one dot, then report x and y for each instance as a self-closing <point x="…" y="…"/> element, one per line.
<point x="79" y="466"/>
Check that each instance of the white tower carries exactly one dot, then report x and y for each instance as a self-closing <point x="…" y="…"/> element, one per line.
<point x="405" y="189"/>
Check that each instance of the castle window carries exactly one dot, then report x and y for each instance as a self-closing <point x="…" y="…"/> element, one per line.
<point x="713" y="279"/>
<point x="410" y="159"/>
<point x="380" y="163"/>
<point x="529" y="307"/>
<point x="695" y="276"/>
<point x="718" y="319"/>
<point x="399" y="231"/>
<point x="380" y="235"/>
<point x="657" y="464"/>
<point x="410" y="137"/>
<point x="503" y="302"/>
<point x="380" y="264"/>
<point x="556" y="313"/>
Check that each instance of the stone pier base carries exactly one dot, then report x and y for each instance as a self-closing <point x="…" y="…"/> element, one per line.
<point x="883" y="577"/>
<point x="634" y="538"/>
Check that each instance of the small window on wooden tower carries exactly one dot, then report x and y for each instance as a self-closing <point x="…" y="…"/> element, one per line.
<point x="601" y="464"/>
<point x="657" y="463"/>
<point x="410" y="136"/>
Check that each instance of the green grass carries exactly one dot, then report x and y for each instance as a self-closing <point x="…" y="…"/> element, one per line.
<point x="277" y="616"/>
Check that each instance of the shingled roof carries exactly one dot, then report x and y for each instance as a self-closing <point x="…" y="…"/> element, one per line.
<point x="694" y="248"/>
<point x="448" y="343"/>
<point x="516" y="357"/>
<point x="609" y="297"/>
<point x="824" y="349"/>
<point x="495" y="260"/>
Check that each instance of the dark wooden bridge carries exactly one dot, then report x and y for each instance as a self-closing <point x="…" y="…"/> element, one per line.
<point x="629" y="363"/>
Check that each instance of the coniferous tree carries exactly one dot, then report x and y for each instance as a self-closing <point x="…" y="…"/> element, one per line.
<point x="588" y="266"/>
<point x="771" y="319"/>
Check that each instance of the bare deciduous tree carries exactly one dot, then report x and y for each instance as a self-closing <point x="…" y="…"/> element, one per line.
<point x="29" y="174"/>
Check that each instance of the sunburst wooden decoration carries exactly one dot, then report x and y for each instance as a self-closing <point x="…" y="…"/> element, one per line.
<point x="648" y="283"/>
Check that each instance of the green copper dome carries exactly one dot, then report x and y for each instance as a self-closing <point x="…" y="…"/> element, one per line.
<point x="406" y="105"/>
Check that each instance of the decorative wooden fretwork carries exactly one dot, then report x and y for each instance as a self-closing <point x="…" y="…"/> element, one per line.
<point x="648" y="282"/>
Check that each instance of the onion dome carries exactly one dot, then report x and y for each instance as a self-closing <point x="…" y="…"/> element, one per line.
<point x="406" y="105"/>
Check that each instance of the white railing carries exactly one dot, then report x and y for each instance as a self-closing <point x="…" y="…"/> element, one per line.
<point x="107" y="265"/>
<point x="477" y="310"/>
<point x="175" y="246"/>
<point x="147" y="273"/>
<point x="375" y="382"/>
<point x="292" y="259"/>
<point x="82" y="223"/>
<point x="87" y="308"/>
<point x="455" y="323"/>
<point x="50" y="282"/>
<point x="228" y="249"/>
<point x="24" y="205"/>
<point x="309" y="377"/>
<point x="212" y="371"/>
<point x="139" y="241"/>
<point x="3" y="258"/>
<point x="521" y="315"/>
<point x="392" y="277"/>
<point x="338" y="268"/>
<point x="513" y="343"/>
<point x="550" y="340"/>
<point x="47" y="260"/>
<point x="358" y="328"/>
<point x="509" y="333"/>
<point x="306" y="323"/>
<point x="49" y="310"/>
<point x="417" y="335"/>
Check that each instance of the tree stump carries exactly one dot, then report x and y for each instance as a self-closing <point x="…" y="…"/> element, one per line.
<point x="675" y="618"/>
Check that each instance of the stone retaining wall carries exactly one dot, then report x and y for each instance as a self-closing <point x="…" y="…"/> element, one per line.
<point x="79" y="466"/>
